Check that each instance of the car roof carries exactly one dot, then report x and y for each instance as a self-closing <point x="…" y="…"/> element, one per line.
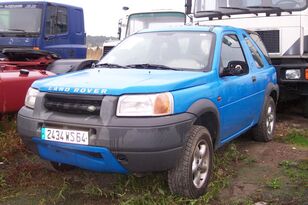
<point x="193" y="28"/>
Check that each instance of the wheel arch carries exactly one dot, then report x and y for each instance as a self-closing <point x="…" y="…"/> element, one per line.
<point x="207" y="115"/>
<point x="272" y="90"/>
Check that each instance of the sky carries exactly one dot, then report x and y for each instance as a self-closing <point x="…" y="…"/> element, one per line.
<point x="102" y="16"/>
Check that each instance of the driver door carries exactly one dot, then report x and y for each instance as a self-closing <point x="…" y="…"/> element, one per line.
<point x="237" y="104"/>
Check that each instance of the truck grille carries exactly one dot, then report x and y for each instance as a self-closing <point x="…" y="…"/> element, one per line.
<point x="73" y="104"/>
<point x="271" y="40"/>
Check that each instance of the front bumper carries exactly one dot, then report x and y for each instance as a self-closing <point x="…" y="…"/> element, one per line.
<point x="292" y="87"/>
<point x="135" y="144"/>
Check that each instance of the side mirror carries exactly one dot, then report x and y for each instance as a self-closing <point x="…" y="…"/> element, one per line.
<point x="235" y="68"/>
<point x="188" y="5"/>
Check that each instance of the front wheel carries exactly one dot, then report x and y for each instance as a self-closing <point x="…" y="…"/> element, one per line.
<point x="264" y="130"/>
<point x="193" y="171"/>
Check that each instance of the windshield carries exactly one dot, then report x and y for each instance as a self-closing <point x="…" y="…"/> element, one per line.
<point x="20" y="18"/>
<point x="137" y="22"/>
<point x="176" y="50"/>
<point x="247" y="6"/>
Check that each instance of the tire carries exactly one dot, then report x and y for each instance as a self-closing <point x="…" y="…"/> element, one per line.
<point x="182" y="180"/>
<point x="306" y="107"/>
<point x="264" y="130"/>
<point x="61" y="167"/>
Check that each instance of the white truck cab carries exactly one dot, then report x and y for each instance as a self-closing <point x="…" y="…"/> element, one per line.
<point x="134" y="21"/>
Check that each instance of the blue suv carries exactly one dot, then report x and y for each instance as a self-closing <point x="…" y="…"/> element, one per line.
<point x="162" y="100"/>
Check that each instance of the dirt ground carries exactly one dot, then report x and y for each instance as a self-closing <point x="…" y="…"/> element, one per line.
<point x="247" y="172"/>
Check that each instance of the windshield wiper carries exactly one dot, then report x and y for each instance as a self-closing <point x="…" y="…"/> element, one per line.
<point x="150" y="66"/>
<point x="211" y="14"/>
<point x="16" y="29"/>
<point x="109" y="65"/>
<point x="241" y="10"/>
<point x="274" y="9"/>
<point x="233" y="8"/>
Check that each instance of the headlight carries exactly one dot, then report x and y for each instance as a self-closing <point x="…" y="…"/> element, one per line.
<point x="31" y="97"/>
<point x="293" y="74"/>
<point x="145" y="105"/>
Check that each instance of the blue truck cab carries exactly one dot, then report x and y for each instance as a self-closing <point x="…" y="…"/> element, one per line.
<point x="162" y="100"/>
<point x="43" y="25"/>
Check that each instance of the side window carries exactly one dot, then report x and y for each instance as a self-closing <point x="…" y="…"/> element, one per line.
<point x="231" y="50"/>
<point x="62" y="20"/>
<point x="256" y="38"/>
<point x="56" y="20"/>
<point x="255" y="54"/>
<point x="51" y="20"/>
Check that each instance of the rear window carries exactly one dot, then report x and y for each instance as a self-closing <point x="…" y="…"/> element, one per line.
<point x="261" y="46"/>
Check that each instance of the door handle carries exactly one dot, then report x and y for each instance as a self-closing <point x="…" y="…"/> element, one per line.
<point x="254" y="78"/>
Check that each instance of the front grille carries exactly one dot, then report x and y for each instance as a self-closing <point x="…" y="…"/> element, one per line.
<point x="107" y="49"/>
<point x="73" y="104"/>
<point x="271" y="40"/>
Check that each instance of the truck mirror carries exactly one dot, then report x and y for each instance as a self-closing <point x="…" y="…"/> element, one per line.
<point x="188" y="5"/>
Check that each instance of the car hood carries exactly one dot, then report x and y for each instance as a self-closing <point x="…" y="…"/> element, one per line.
<point x="121" y="81"/>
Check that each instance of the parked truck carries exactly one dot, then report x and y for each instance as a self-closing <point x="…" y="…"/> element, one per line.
<point x="43" y="25"/>
<point x="283" y="27"/>
<point x="162" y="100"/>
<point x="135" y="21"/>
<point x="33" y="36"/>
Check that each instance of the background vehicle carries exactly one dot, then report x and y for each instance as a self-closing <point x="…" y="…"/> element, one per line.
<point x="136" y="21"/>
<point x="283" y="27"/>
<point x="162" y="100"/>
<point x="43" y="25"/>
<point x="33" y="36"/>
<point x="19" y="68"/>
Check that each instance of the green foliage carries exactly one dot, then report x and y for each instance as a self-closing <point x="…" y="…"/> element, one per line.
<point x="274" y="183"/>
<point x="297" y="137"/>
<point x="62" y="192"/>
<point x="92" y="190"/>
<point x="2" y="181"/>
<point x="296" y="171"/>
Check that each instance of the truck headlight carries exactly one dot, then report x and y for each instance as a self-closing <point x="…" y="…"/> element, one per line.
<point x="31" y="97"/>
<point x="145" y="105"/>
<point x="293" y="74"/>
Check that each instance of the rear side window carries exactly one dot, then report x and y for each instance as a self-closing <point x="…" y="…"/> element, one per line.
<point x="256" y="38"/>
<point x="255" y="54"/>
<point x="231" y="50"/>
<point x="56" y="20"/>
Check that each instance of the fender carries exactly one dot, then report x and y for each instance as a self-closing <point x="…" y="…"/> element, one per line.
<point x="70" y="65"/>
<point x="203" y="106"/>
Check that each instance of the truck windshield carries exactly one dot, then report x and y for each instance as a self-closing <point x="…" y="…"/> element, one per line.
<point x="219" y="7"/>
<point x="163" y="50"/>
<point x="20" y="18"/>
<point x="141" y="21"/>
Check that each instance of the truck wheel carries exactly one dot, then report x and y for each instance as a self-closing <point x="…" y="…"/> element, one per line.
<point x="264" y="130"/>
<point x="61" y="167"/>
<point x="192" y="173"/>
<point x="306" y="107"/>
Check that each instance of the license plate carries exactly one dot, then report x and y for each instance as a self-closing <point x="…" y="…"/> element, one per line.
<point x="67" y="136"/>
